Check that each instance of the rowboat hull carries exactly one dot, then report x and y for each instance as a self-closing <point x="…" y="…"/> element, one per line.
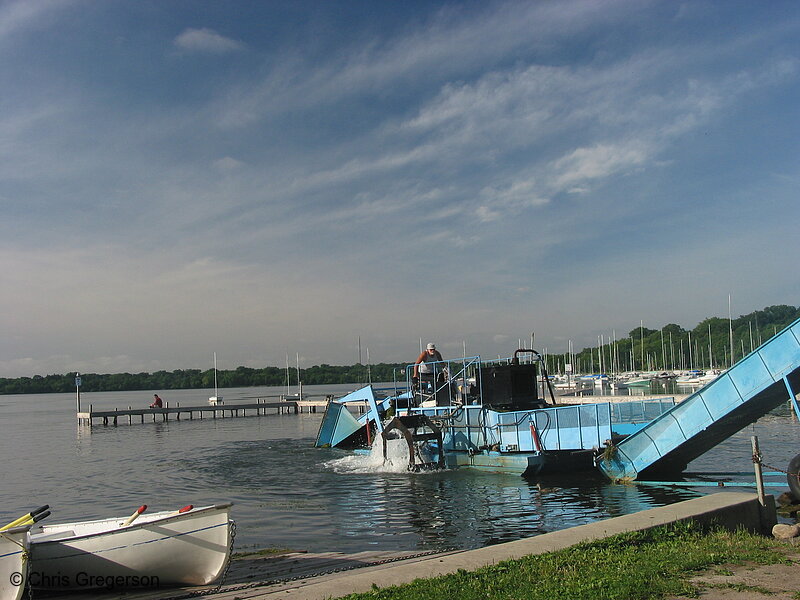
<point x="14" y="545"/>
<point x="157" y="550"/>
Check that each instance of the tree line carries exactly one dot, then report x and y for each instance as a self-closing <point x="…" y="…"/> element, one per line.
<point x="715" y="343"/>
<point x="197" y="379"/>
<point x="669" y="348"/>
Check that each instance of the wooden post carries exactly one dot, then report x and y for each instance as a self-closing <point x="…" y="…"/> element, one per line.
<point x="759" y="475"/>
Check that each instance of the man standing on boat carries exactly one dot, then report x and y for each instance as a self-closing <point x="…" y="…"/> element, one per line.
<point x="425" y="367"/>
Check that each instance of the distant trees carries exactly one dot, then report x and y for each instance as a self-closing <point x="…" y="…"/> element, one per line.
<point x="671" y="347"/>
<point x="195" y="379"/>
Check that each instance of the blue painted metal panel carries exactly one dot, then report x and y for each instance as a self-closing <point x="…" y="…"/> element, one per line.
<point x="664" y="433"/>
<point x="337" y="425"/>
<point x="792" y="395"/>
<point x="780" y="353"/>
<point x="720" y="396"/>
<point x="750" y="375"/>
<point x="639" y="411"/>
<point x="625" y="429"/>
<point x="693" y="416"/>
<point x="562" y="428"/>
<point x="589" y="427"/>
<point x="580" y="427"/>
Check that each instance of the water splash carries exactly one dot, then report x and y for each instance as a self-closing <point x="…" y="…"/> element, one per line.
<point x="396" y="459"/>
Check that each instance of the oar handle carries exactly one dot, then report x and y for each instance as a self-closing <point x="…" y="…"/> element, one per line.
<point x="35" y="519"/>
<point x="23" y="519"/>
<point x="133" y="517"/>
<point x="40" y="516"/>
<point x="185" y="509"/>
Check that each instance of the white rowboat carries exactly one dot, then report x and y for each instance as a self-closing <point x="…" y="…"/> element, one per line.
<point x="156" y="550"/>
<point x="13" y="562"/>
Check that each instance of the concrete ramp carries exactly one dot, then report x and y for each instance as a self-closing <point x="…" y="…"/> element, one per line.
<point x="750" y="389"/>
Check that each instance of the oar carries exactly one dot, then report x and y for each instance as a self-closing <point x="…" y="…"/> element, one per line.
<point x="34" y="519"/>
<point x="135" y="515"/>
<point x="25" y="518"/>
<point x="38" y="518"/>
<point x="186" y="508"/>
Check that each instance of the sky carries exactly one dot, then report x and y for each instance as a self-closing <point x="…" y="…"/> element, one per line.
<point x="343" y="180"/>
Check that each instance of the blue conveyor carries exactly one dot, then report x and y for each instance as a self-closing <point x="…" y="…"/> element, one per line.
<point x="755" y="385"/>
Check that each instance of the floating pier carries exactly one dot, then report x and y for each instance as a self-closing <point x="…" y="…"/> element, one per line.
<point x="262" y="407"/>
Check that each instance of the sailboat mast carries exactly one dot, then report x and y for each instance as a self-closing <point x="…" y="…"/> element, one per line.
<point x="710" y="357"/>
<point x="730" y="328"/>
<point x="215" y="375"/>
<point x="641" y="331"/>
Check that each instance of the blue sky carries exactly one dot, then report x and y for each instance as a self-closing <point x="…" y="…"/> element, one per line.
<point x="259" y="179"/>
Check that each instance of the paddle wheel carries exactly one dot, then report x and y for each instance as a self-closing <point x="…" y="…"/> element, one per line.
<point x="419" y="431"/>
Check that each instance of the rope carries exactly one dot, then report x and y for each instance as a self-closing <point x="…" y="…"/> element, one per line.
<point x="763" y="464"/>
<point x="12" y="540"/>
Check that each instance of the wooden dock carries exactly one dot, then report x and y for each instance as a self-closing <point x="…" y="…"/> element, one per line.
<point x="262" y="406"/>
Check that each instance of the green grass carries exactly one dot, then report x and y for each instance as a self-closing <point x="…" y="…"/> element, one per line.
<point x="649" y="564"/>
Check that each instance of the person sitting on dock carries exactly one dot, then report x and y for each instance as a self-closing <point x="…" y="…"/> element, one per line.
<point x="157" y="403"/>
<point x="425" y="369"/>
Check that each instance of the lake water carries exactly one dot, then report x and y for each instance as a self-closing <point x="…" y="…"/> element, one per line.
<point x="288" y="494"/>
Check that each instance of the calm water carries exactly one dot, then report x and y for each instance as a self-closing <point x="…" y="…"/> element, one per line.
<point x="289" y="494"/>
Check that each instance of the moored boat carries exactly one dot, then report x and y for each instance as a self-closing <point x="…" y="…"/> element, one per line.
<point x="14" y="545"/>
<point x="187" y="547"/>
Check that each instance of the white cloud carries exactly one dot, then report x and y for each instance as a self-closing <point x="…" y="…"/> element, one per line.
<point x="227" y="164"/>
<point x="509" y="199"/>
<point x="24" y="14"/>
<point x="597" y="162"/>
<point x="206" y="40"/>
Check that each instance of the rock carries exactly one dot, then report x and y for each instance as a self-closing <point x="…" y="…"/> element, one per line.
<point x="785" y="532"/>
<point x="786" y="499"/>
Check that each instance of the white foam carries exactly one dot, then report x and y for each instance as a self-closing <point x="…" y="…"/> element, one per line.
<point x="396" y="459"/>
